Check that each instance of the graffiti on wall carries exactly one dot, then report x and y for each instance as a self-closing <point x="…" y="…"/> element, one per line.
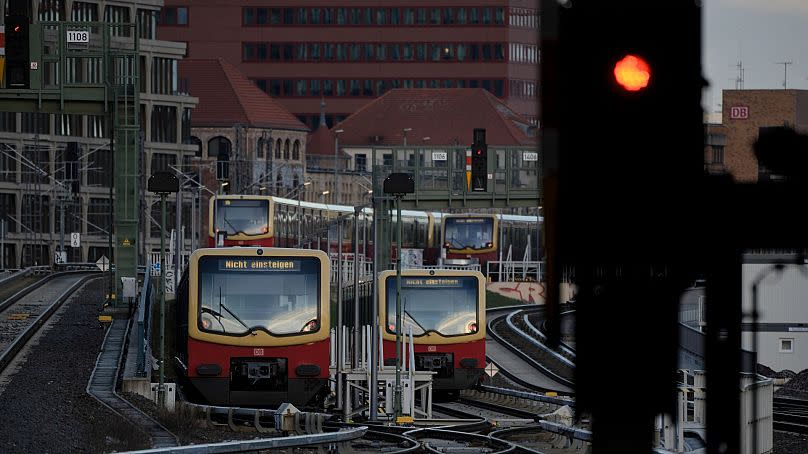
<point x="527" y="292"/>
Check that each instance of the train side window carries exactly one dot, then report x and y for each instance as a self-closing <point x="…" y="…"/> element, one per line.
<point x="786" y="345"/>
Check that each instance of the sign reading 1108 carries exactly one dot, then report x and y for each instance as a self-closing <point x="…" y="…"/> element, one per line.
<point x="78" y="36"/>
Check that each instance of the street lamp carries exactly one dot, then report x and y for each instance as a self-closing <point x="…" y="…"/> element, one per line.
<point x="336" y="158"/>
<point x="398" y="185"/>
<point x="300" y="188"/>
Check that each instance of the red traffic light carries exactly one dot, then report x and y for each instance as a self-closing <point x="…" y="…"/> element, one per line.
<point x="17" y="29"/>
<point x="632" y="73"/>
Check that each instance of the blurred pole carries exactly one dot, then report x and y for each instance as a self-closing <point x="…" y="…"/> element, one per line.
<point x="374" y="322"/>
<point x="161" y="388"/>
<point x="399" y="329"/>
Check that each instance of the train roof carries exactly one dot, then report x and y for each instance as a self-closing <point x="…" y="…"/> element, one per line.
<point x="508" y="218"/>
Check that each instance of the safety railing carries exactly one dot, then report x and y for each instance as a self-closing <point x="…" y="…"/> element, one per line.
<point x="515" y="270"/>
<point x="144" y="324"/>
<point x="347" y="269"/>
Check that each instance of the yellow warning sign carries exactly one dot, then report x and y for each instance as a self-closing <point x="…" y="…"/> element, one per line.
<point x="126" y="242"/>
<point x="18" y="317"/>
<point x="105" y="318"/>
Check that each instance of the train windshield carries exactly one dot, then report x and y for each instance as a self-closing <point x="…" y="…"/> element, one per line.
<point x="446" y="305"/>
<point x="239" y="295"/>
<point x="246" y="217"/>
<point x="469" y="233"/>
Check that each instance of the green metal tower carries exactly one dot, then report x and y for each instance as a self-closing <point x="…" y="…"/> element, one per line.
<point x="92" y="68"/>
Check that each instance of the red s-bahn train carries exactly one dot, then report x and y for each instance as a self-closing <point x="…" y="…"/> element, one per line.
<point x="445" y="311"/>
<point x="253" y="326"/>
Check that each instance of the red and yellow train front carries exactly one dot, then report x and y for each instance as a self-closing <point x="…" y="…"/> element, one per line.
<point x="258" y="326"/>
<point x="470" y="237"/>
<point x="445" y="310"/>
<point x="242" y="220"/>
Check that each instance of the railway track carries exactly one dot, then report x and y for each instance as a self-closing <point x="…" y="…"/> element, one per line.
<point x="502" y="328"/>
<point x="790" y="415"/>
<point x="24" y="312"/>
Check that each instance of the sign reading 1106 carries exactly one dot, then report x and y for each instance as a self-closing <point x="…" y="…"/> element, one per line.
<point x="78" y="36"/>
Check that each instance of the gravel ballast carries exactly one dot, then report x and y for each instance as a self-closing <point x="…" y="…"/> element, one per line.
<point x="45" y="407"/>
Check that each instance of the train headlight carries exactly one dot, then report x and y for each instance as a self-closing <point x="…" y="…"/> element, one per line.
<point x="471" y="327"/>
<point x="489" y="244"/>
<point x="311" y="326"/>
<point x="447" y="244"/>
<point x="264" y="229"/>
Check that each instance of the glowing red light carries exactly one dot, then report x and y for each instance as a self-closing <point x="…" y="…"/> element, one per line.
<point x="632" y="73"/>
<point x="16" y="29"/>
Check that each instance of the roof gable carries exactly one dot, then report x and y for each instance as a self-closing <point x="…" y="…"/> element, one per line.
<point x="227" y="97"/>
<point x="446" y="116"/>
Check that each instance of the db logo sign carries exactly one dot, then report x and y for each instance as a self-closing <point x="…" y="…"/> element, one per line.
<point x="431" y="348"/>
<point x="738" y="112"/>
<point x="258" y="352"/>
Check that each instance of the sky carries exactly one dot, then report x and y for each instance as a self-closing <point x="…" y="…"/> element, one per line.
<point x="759" y="33"/>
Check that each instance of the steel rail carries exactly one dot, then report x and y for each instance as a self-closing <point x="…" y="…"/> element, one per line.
<point x="297" y="441"/>
<point x="502" y="446"/>
<point x="560" y="401"/>
<point x="535" y="364"/>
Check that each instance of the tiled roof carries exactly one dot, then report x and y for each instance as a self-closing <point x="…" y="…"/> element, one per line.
<point x="321" y="141"/>
<point x="227" y="97"/>
<point x="447" y="116"/>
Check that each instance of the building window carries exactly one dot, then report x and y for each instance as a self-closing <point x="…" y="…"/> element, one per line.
<point x="51" y="10"/>
<point x="174" y="15"/>
<point x="35" y="254"/>
<point x="86" y="12"/>
<point x="164" y="76"/>
<point x="68" y="125"/>
<point x="8" y="163"/>
<point x="8" y="122"/>
<point x="8" y="210"/>
<point x="296" y="151"/>
<point x="38" y="167"/>
<point x="97" y="215"/>
<point x="787" y="345"/>
<point x="718" y="154"/>
<point x="35" y="123"/>
<point x="361" y="164"/>
<point x="147" y="21"/>
<point x="162" y="162"/>
<point x="118" y="15"/>
<point x="36" y="213"/>
<point x="99" y="168"/>
<point x="164" y="124"/>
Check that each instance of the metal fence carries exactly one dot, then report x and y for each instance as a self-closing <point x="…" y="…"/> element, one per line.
<point x="515" y="270"/>
<point x="147" y="295"/>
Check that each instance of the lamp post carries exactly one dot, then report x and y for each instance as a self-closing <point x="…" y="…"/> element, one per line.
<point x="163" y="183"/>
<point x="336" y="165"/>
<point x="398" y="185"/>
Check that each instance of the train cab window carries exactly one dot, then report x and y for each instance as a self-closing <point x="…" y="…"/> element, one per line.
<point x="278" y="295"/>
<point x="242" y="217"/>
<point x="447" y="306"/>
<point x="469" y="232"/>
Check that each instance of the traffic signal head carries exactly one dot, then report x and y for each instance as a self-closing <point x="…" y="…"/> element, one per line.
<point x="632" y="73"/>
<point x="18" y="63"/>
<point x="622" y="89"/>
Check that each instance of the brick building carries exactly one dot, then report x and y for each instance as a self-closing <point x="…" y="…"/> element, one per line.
<point x="244" y="137"/>
<point x="351" y="51"/>
<point x="419" y="118"/>
<point x="745" y="112"/>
